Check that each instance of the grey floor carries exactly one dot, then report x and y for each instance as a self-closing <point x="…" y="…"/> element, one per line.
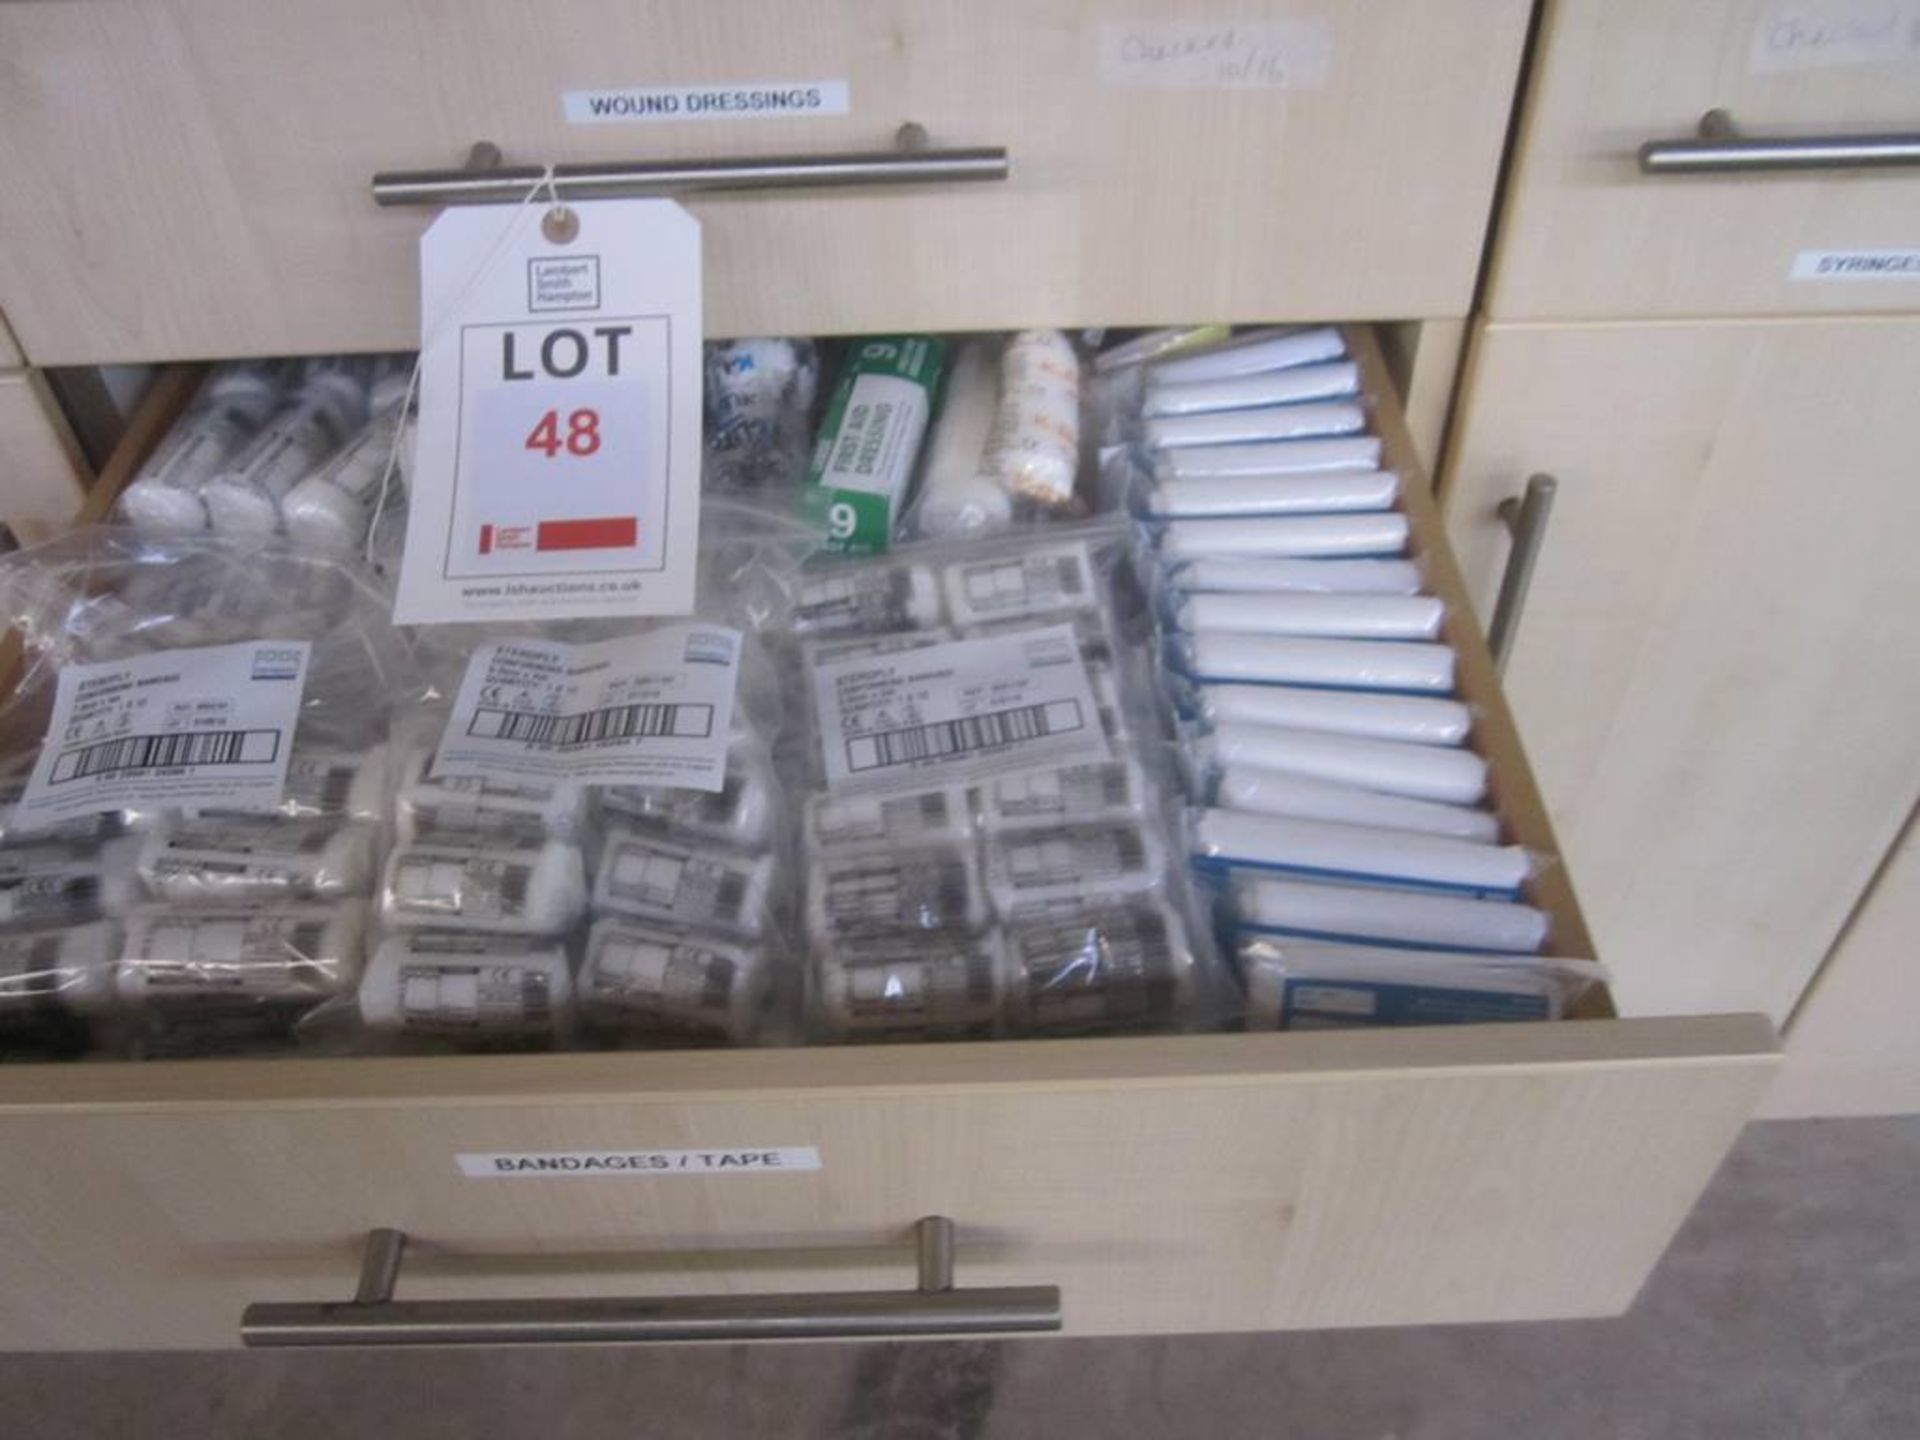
<point x="1789" y="1306"/>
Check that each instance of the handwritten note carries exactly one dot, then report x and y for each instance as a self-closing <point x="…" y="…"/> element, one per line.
<point x="1199" y="55"/>
<point x="1819" y="34"/>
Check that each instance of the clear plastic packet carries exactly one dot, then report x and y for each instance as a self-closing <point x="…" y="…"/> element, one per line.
<point x="1295" y="985"/>
<point x="457" y="810"/>
<point x="328" y="405"/>
<point x="1042" y="870"/>
<point x="431" y="990"/>
<point x="644" y="983"/>
<point x="163" y="498"/>
<point x="236" y="858"/>
<point x="760" y="395"/>
<point x="1328" y="850"/>
<point x="648" y="877"/>
<point x="743" y="813"/>
<point x="937" y="985"/>
<point x="59" y="884"/>
<point x="1105" y="968"/>
<point x="217" y="980"/>
<point x="53" y="984"/>
<point x="859" y="893"/>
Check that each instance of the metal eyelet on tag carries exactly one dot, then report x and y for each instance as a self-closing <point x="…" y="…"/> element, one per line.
<point x="560" y="225"/>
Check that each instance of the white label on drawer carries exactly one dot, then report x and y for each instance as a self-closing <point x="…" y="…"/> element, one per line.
<point x="202" y="727"/>
<point x="1818" y="34"/>
<point x="775" y="1160"/>
<point x="1857" y="265"/>
<point x="645" y="104"/>
<point x="958" y="712"/>
<point x="1216" y="55"/>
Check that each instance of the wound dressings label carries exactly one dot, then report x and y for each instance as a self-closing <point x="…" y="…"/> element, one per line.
<point x="211" y="727"/>
<point x="652" y="709"/>
<point x="957" y="712"/>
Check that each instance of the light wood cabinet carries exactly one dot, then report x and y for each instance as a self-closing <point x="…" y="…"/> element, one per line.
<point x="1584" y="235"/>
<point x="1718" y="667"/>
<point x="43" y="477"/>
<point x="1853" y="1044"/>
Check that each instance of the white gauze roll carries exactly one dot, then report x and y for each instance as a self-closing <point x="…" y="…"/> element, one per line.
<point x="1272" y="457"/>
<point x="638" y="978"/>
<point x="1307" y="421"/>
<point x="274" y="952"/>
<point x="1354" y="617"/>
<point x="959" y="496"/>
<point x="331" y="509"/>
<point x="1405" y="665"/>
<point x="72" y="967"/>
<point x="503" y="892"/>
<point x="915" y="986"/>
<point x="1387" y="917"/>
<point x="1211" y="497"/>
<point x="1273" y="576"/>
<point x="236" y="858"/>
<point x="464" y="986"/>
<point x="1326" y="381"/>
<point x="702" y="887"/>
<point x="1287" y="537"/>
<point x="1421" y="772"/>
<point x="1273" y="792"/>
<point x="867" y="597"/>
<point x="1250" y="354"/>
<point x="1414" y="719"/>
<point x="1328" y="850"/>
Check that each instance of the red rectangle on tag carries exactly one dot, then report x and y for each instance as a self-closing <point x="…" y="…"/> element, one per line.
<point x="486" y="539"/>
<point x="618" y="532"/>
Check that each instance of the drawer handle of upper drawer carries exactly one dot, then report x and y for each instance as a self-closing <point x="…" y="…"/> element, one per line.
<point x="1525" y="517"/>
<point x="1720" y="149"/>
<point x="488" y="182"/>
<point x="374" y="1317"/>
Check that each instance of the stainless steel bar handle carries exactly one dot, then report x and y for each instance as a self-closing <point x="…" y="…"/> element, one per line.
<point x="606" y="180"/>
<point x="1525" y="517"/>
<point x="374" y="1317"/>
<point x="1720" y="149"/>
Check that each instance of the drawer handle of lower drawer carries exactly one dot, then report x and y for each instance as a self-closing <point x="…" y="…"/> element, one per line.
<point x="1720" y="149"/>
<point x="935" y="1307"/>
<point x="911" y="163"/>
<point x="1525" y="517"/>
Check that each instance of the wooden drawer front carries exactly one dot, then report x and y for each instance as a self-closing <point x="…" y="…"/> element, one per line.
<point x="1718" y="667"/>
<point x="189" y="178"/>
<point x="1192" y="1183"/>
<point x="1586" y="236"/>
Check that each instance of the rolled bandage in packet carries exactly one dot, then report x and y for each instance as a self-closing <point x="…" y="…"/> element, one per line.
<point x="867" y="598"/>
<point x="164" y="497"/>
<point x="868" y="892"/>
<point x="323" y="782"/>
<point x="867" y="446"/>
<point x="1269" y="575"/>
<point x="1297" y="985"/>
<point x="329" y="406"/>
<point x="936" y="815"/>
<point x="959" y="496"/>
<point x="483" y="989"/>
<point x="503" y="892"/>
<point x="1272" y="792"/>
<point x="1414" y="719"/>
<point x="59" y="885"/>
<point x="295" y="954"/>
<point x="1034" y="450"/>
<point x="1411" y="666"/>
<point x="71" y="968"/>
<point x="647" y="877"/>
<point x="1099" y="790"/>
<point x="939" y="986"/>
<point x="1048" y="580"/>
<point x="1286" y="537"/>
<point x="1205" y="497"/>
<point x="234" y="858"/>
<point x="1112" y="967"/>
<point x="1390" y="767"/>
<point x="1327" y="381"/>
<point x="330" y="510"/>
<point x="1320" y="849"/>
<point x="1272" y="457"/>
<point x="1305" y="421"/>
<point x="638" y="979"/>
<point x="740" y="813"/>
<point x="463" y="809"/>
<point x="1250" y="354"/>
<point x="1036" y="871"/>
<point x="1365" y="914"/>
<point x="1358" y="617"/>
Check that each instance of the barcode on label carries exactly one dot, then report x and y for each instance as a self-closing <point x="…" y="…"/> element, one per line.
<point x="615" y="722"/>
<point x="148" y="752"/>
<point x="990" y="731"/>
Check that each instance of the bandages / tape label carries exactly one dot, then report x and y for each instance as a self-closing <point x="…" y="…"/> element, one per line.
<point x="652" y="709"/>
<point x="957" y="712"/>
<point x="204" y="727"/>
<point x="630" y="1164"/>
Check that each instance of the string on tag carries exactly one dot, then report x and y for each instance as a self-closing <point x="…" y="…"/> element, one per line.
<point x="557" y="218"/>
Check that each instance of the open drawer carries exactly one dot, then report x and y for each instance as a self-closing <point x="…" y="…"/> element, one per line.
<point x="1194" y="1183"/>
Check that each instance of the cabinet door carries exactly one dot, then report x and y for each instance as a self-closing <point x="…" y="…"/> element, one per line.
<point x="1853" y="1047"/>
<point x="1718" y="669"/>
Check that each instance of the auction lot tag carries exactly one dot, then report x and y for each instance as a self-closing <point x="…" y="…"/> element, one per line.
<point x="558" y="466"/>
